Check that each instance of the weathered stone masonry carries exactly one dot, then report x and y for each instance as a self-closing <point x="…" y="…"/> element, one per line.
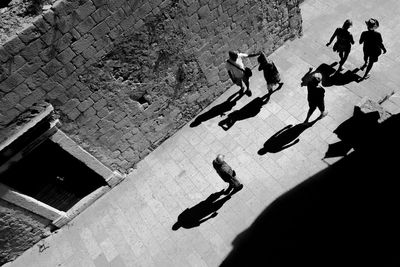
<point x="120" y="117"/>
<point x="124" y="75"/>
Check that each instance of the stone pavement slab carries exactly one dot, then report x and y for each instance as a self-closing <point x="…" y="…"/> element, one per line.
<point x="131" y="225"/>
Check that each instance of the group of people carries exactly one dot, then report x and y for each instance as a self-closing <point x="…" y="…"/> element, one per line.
<point x="240" y="75"/>
<point x="370" y="39"/>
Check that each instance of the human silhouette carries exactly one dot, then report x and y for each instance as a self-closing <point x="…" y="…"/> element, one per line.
<point x="203" y="211"/>
<point x="270" y="71"/>
<point x="227" y="174"/>
<point x="373" y="46"/>
<point x="238" y="73"/>
<point x="315" y="97"/>
<point x="248" y="111"/>
<point x="218" y="110"/>
<point x="284" y="138"/>
<point x="344" y="40"/>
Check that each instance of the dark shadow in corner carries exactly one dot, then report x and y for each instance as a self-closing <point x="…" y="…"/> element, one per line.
<point x="353" y="133"/>
<point x="330" y="76"/>
<point x="251" y="109"/>
<point x="345" y="215"/>
<point x="205" y="210"/>
<point x="218" y="110"/>
<point x="284" y="138"/>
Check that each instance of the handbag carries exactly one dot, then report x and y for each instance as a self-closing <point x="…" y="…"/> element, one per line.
<point x="247" y="71"/>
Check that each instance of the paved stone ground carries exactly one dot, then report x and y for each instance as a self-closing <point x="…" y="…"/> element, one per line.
<point x="131" y="225"/>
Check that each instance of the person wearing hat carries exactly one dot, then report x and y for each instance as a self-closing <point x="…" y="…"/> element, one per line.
<point x="227" y="174"/>
<point x="315" y="97"/>
<point x="344" y="40"/>
<point x="373" y="45"/>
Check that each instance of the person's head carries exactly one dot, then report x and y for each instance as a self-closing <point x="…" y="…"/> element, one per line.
<point x="317" y="77"/>
<point x="233" y="55"/>
<point x="220" y="158"/>
<point x="347" y="24"/>
<point x="372" y="24"/>
<point x="262" y="59"/>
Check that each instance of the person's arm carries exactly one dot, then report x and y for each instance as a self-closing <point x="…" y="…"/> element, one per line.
<point x="332" y="38"/>
<point x="351" y="39"/>
<point x="249" y="55"/>
<point x="362" y="38"/>
<point x="381" y="44"/>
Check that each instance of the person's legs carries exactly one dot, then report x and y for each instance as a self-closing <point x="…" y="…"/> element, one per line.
<point x="321" y="107"/>
<point x="369" y="67"/>
<point x="365" y="62"/>
<point x="247" y="83"/>
<point x="229" y="189"/>
<point x="270" y="87"/>
<point x="343" y="57"/>
<point x="311" y="109"/>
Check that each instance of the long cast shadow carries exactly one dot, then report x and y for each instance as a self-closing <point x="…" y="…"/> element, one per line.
<point x="251" y="109"/>
<point x="284" y="138"/>
<point x="203" y="211"/>
<point x="345" y="215"/>
<point x="330" y="76"/>
<point x="354" y="133"/>
<point x="218" y="110"/>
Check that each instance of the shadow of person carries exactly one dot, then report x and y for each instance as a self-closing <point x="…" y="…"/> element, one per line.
<point x="344" y="215"/>
<point x="343" y="78"/>
<point x="330" y="76"/>
<point x="251" y="109"/>
<point x="203" y="211"/>
<point x="325" y="70"/>
<point x="355" y="132"/>
<point x="218" y="110"/>
<point x="284" y="138"/>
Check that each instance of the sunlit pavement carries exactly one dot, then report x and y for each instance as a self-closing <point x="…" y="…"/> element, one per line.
<point x="131" y="225"/>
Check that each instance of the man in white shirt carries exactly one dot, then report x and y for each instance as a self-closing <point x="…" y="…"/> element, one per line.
<point x="236" y="70"/>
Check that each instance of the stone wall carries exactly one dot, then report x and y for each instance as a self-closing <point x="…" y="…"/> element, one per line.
<point x="19" y="230"/>
<point x="124" y="75"/>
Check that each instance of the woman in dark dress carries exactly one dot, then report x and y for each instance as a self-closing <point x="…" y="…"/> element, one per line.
<point x="373" y="45"/>
<point x="344" y="40"/>
<point x="271" y="73"/>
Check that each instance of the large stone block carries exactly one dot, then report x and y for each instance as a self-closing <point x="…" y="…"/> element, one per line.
<point x="35" y="97"/>
<point x="203" y="12"/>
<point x="85" y="105"/>
<point x="14" y="45"/>
<point x="66" y="56"/>
<point x="101" y="14"/>
<point x="11" y="82"/>
<point x="30" y="67"/>
<point x="100" y="30"/>
<point x="52" y="67"/>
<point x="33" y="49"/>
<point x="85" y="10"/>
<point x="36" y="80"/>
<point x="85" y="25"/>
<point x="82" y="43"/>
<point x="29" y="33"/>
<point x="41" y="24"/>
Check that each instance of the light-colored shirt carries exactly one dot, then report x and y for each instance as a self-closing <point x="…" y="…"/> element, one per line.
<point x="238" y="70"/>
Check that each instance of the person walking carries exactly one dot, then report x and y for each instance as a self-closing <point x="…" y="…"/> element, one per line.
<point x="271" y="73"/>
<point x="344" y="41"/>
<point x="227" y="174"/>
<point x="373" y="46"/>
<point x="315" y="97"/>
<point x="237" y="71"/>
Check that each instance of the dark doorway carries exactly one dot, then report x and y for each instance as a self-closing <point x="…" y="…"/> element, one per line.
<point x="52" y="176"/>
